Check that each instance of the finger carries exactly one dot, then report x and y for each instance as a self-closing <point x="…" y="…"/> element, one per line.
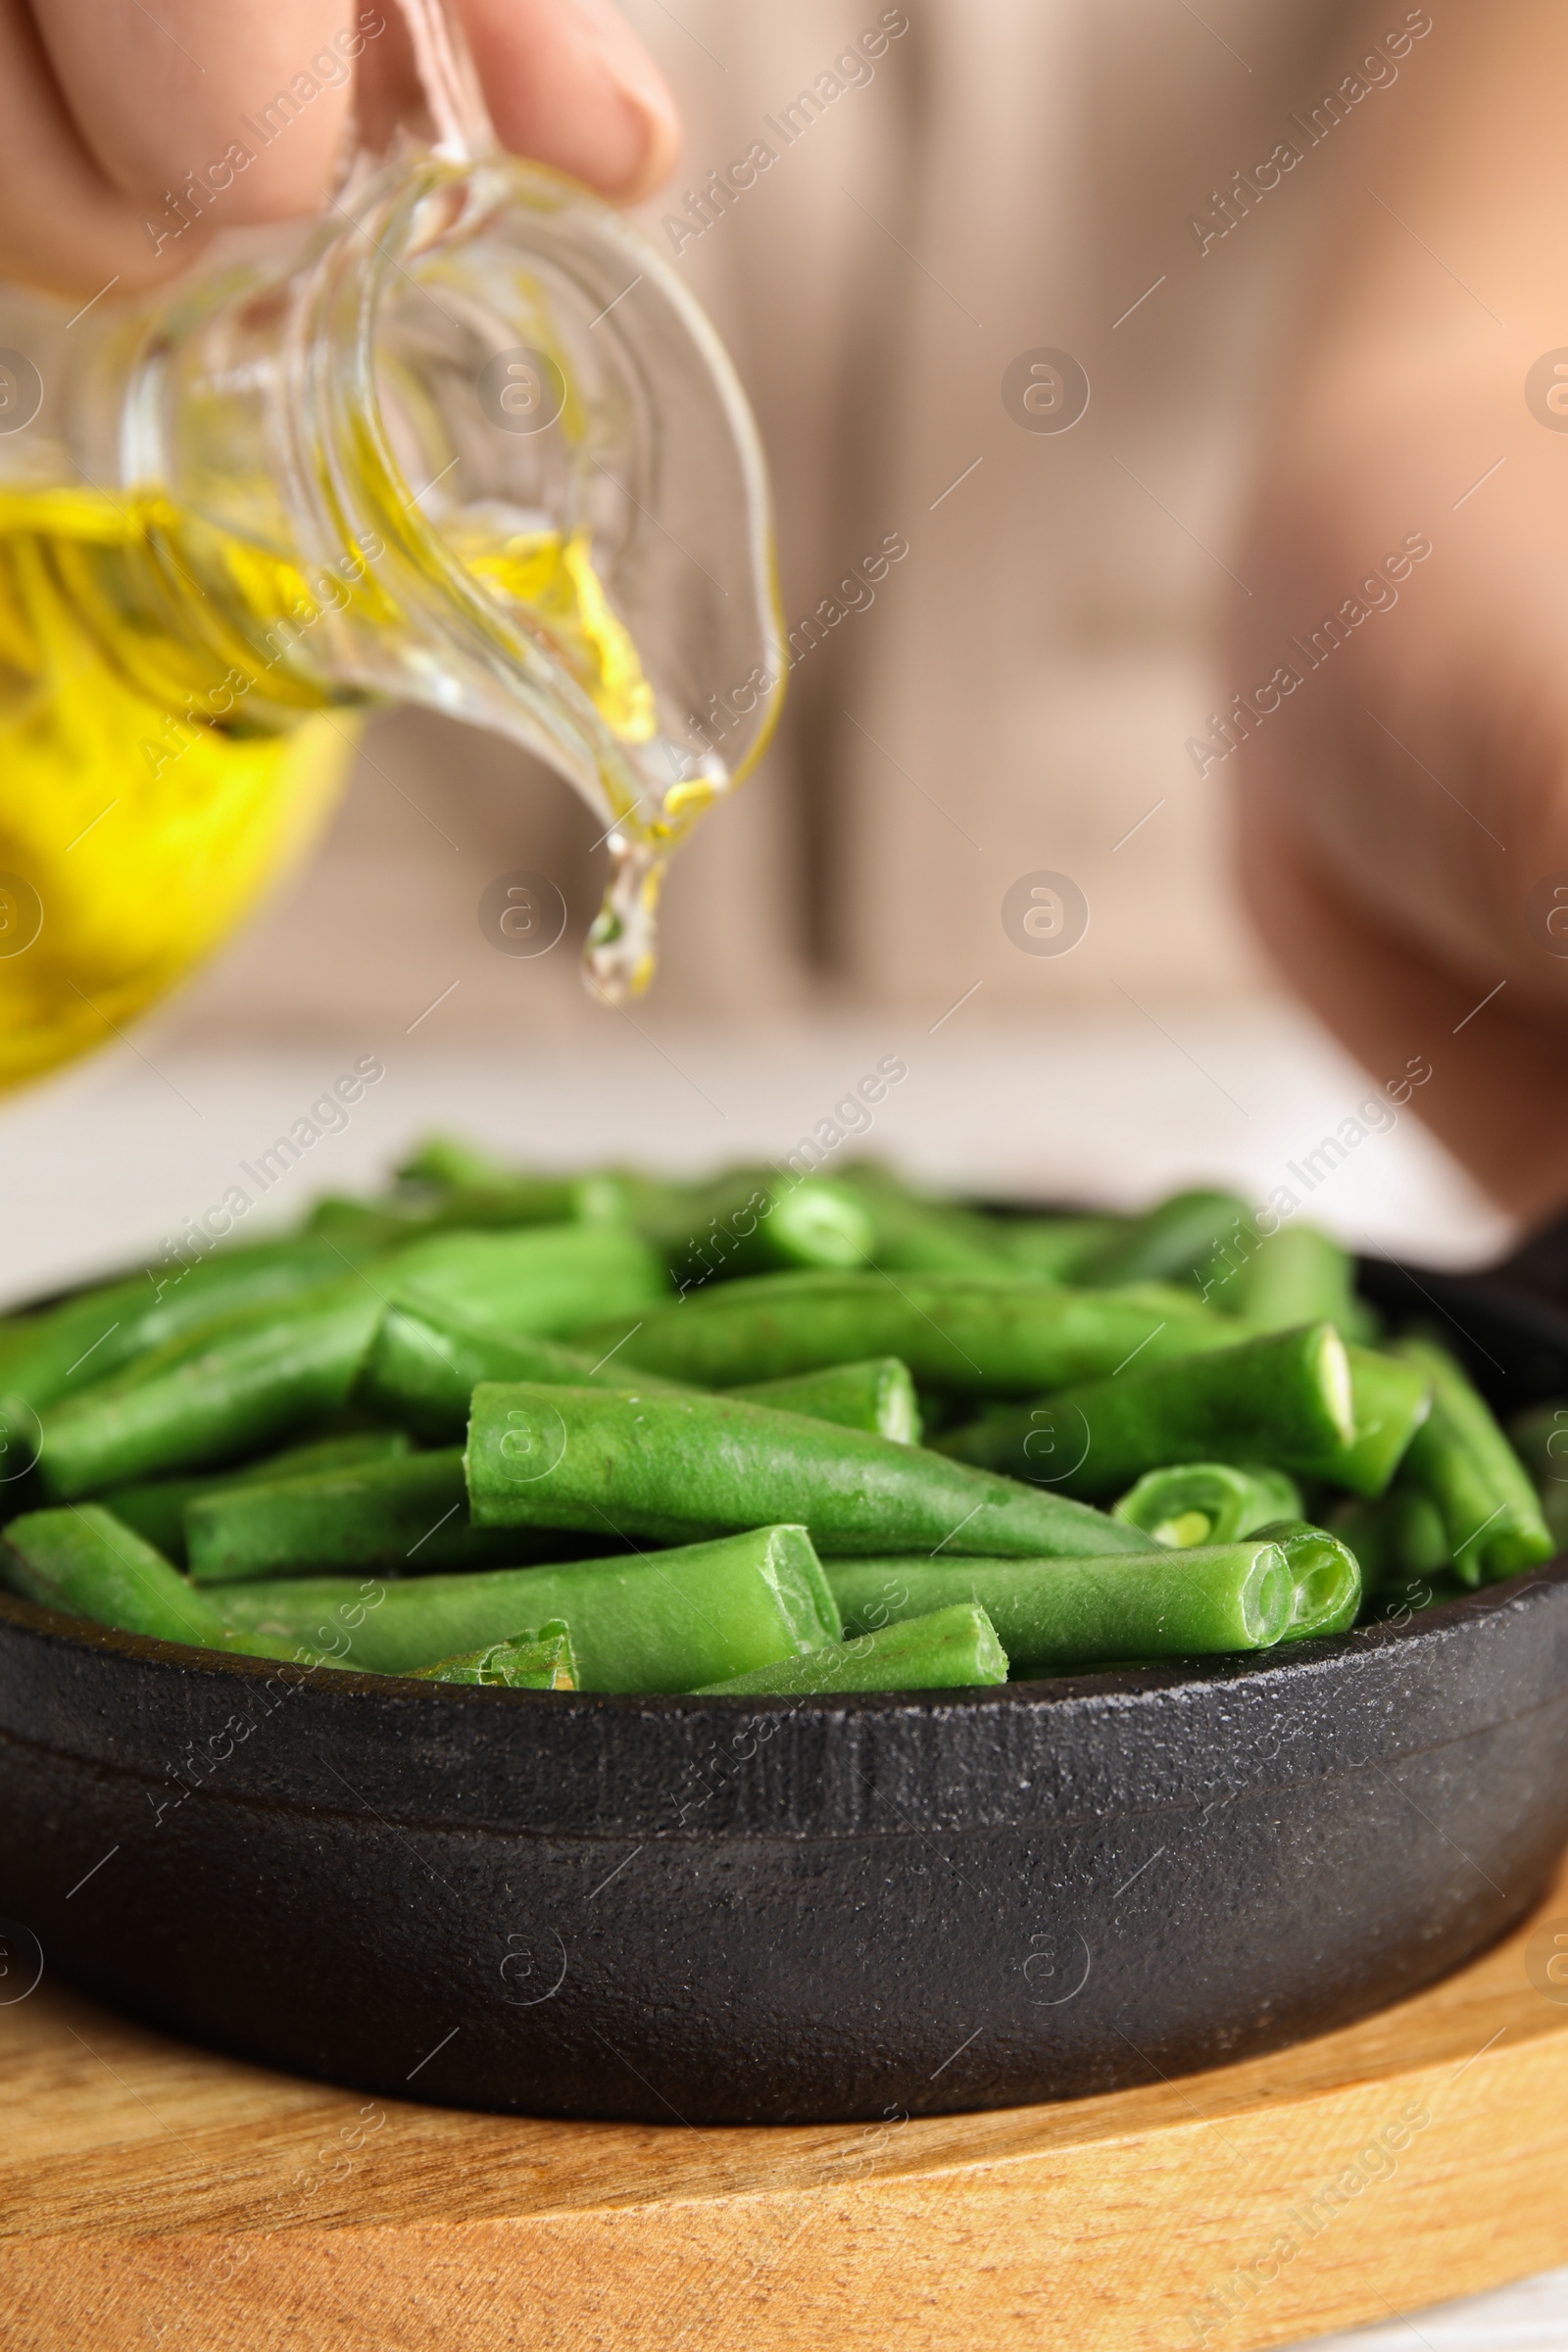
<point x="124" y="136"/>
<point x="568" y="83"/>
<point x="164" y="93"/>
<point x="62" y="226"/>
<point x="1400" y="1014"/>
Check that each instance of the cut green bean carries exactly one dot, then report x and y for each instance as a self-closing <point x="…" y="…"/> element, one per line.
<point x="542" y="1280"/>
<point x="363" y="1231"/>
<point x="408" y="1516"/>
<point x="425" y="1365"/>
<point x="660" y="1621"/>
<point x="453" y="1159"/>
<point x="1398" y="1537"/>
<point x="87" y="1338"/>
<point x="18" y="1334"/>
<point x="543" y="1663"/>
<point x="1460" y="1457"/>
<point x="1389" y="1402"/>
<point x="424" y="1368"/>
<point x="1206" y="1502"/>
<point x="749" y="1223"/>
<point x="361" y="1226"/>
<point x="1202" y="1603"/>
<point x="1054" y="1248"/>
<point x="1325" y="1578"/>
<point x="1172" y="1242"/>
<point x="913" y="1233"/>
<point x="87" y="1563"/>
<point x="878" y="1396"/>
<point x="682" y="1467"/>
<point x="952" y="1648"/>
<point x="154" y="1507"/>
<point x="991" y="1335"/>
<point x="1285" y="1399"/>
<point x="1281" y="1279"/>
<point x="225" y="1391"/>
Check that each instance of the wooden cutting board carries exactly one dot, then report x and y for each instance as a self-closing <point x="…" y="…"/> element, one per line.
<point x="155" y="2195"/>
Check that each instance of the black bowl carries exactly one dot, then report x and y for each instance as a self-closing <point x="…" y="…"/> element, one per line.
<point x="771" y="1911"/>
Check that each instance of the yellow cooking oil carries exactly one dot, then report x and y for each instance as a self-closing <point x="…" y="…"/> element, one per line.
<point x="165" y="752"/>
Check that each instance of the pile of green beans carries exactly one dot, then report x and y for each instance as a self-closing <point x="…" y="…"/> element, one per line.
<point x="762" y="1434"/>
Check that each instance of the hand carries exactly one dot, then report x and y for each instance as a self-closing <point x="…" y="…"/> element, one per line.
<point x="1405" y="798"/>
<point x="107" y="106"/>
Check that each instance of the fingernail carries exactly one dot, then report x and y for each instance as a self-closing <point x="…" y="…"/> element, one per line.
<point x="644" y="92"/>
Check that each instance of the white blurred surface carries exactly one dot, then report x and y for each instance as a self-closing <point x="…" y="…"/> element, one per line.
<point x="1532" y="2317"/>
<point x="98" y="1167"/>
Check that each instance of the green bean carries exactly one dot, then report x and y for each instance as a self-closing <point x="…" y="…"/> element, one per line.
<point x="361" y="1230"/>
<point x="542" y="1280"/>
<point x="17" y="1335"/>
<point x="1204" y="1602"/>
<point x="660" y="1621"/>
<point x="1539" y="1438"/>
<point x="511" y="1200"/>
<point x="1460" y="1457"/>
<point x="154" y="1507"/>
<point x="749" y="1222"/>
<point x="1295" y="1275"/>
<point x="403" y="1516"/>
<point x="717" y="1229"/>
<point x="447" y="1173"/>
<point x="225" y="1389"/>
<point x="913" y="1233"/>
<point x="545" y="1663"/>
<point x="89" y="1338"/>
<point x="877" y="1395"/>
<point x="20" y="1489"/>
<point x="452" y="1159"/>
<point x="1325" y="1578"/>
<point x="918" y="1232"/>
<point x="424" y="1368"/>
<point x="1206" y="1502"/>
<point x="682" y="1467"/>
<point x="952" y="1648"/>
<point x="425" y="1365"/>
<point x="359" y="1225"/>
<point x="1171" y="1241"/>
<point x="1285" y="1399"/>
<point x="1396" y="1537"/>
<point x="1054" y="1248"/>
<point x="1389" y="1402"/>
<point x="982" y="1335"/>
<point x="86" y="1564"/>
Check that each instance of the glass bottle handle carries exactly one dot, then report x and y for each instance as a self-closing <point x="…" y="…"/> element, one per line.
<point x="461" y="124"/>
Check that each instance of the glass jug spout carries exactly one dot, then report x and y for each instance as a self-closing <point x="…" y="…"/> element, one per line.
<point x="486" y="414"/>
<point x="487" y="385"/>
